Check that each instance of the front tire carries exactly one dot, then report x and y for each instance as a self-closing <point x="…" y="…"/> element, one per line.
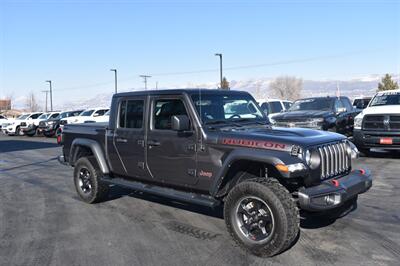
<point x="87" y="180"/>
<point x="261" y="216"/>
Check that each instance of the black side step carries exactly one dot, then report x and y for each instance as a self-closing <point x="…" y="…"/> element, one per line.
<point x="165" y="192"/>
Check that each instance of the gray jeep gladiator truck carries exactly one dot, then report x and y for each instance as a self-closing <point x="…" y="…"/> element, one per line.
<point x="216" y="147"/>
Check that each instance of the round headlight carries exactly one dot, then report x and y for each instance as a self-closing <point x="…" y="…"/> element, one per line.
<point x="312" y="159"/>
<point x="308" y="157"/>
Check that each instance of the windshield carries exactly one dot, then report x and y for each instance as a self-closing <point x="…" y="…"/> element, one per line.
<point x="387" y="98"/>
<point x="221" y="108"/>
<point x="22" y="117"/>
<point x="320" y="104"/>
<point x="361" y="103"/>
<point x="107" y="113"/>
<point x="43" y="116"/>
<point x="87" y="113"/>
<point x="62" y="115"/>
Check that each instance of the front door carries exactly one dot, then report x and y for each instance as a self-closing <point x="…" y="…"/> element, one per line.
<point x="171" y="155"/>
<point x="128" y="139"/>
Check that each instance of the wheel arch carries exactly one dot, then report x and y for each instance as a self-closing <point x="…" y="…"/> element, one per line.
<point x="255" y="162"/>
<point x="82" y="147"/>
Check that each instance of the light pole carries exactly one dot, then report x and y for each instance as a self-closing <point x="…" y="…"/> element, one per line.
<point x="51" y="95"/>
<point x="46" y="91"/>
<point x="145" y="77"/>
<point x="220" y="68"/>
<point x="115" y="78"/>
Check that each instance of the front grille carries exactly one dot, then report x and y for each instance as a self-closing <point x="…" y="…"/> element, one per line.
<point x="42" y="124"/>
<point x="23" y="124"/>
<point x="381" y="122"/>
<point x="334" y="160"/>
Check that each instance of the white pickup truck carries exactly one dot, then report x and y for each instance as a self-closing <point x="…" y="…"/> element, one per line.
<point x="30" y="126"/>
<point x="87" y="116"/>
<point x="378" y="125"/>
<point x="14" y="126"/>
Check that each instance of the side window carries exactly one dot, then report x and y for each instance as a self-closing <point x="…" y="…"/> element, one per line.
<point x="265" y="107"/>
<point x="54" y="115"/>
<point x="35" y="116"/>
<point x="338" y="104"/>
<point x="163" y="111"/>
<point x="276" y="107"/>
<point x="101" y="112"/>
<point x="131" y="114"/>
<point x="287" y="105"/>
<point x="1" y="117"/>
<point x="347" y="104"/>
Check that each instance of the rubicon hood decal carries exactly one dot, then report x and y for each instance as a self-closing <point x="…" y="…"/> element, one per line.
<point x="259" y="144"/>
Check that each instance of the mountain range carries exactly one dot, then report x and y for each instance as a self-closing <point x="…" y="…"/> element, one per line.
<point x="259" y="88"/>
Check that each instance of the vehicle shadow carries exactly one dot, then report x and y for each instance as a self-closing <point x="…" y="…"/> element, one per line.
<point x="19" y="145"/>
<point x="26" y="165"/>
<point x="118" y="192"/>
<point x="309" y="220"/>
<point x="391" y="154"/>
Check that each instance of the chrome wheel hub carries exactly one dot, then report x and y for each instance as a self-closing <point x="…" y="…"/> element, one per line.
<point x="254" y="219"/>
<point x="84" y="181"/>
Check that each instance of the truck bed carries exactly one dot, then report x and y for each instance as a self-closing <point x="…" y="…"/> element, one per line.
<point x="94" y="131"/>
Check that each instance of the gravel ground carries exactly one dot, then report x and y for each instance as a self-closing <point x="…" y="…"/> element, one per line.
<point x="42" y="221"/>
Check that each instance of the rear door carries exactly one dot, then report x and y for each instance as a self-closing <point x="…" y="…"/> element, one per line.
<point x="171" y="155"/>
<point x="127" y="154"/>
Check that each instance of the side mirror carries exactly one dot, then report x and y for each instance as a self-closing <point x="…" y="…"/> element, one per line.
<point x="180" y="123"/>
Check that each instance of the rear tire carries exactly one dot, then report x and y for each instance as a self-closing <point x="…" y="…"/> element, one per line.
<point x="87" y="180"/>
<point x="275" y="204"/>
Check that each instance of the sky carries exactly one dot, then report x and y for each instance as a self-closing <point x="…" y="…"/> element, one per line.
<point x="76" y="43"/>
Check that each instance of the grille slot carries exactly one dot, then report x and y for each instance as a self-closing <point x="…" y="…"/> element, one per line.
<point x="381" y="122"/>
<point x="334" y="160"/>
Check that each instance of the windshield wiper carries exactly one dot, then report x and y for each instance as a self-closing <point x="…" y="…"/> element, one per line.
<point x="251" y="120"/>
<point x="216" y="122"/>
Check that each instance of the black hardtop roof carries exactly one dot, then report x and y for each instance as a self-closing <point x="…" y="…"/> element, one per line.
<point x="178" y="91"/>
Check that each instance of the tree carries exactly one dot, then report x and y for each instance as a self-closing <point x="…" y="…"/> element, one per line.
<point x="31" y="103"/>
<point x="225" y="84"/>
<point x="387" y="84"/>
<point x="287" y="87"/>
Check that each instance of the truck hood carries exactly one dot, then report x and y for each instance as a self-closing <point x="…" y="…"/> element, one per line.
<point x="382" y="109"/>
<point x="287" y="136"/>
<point x="302" y="115"/>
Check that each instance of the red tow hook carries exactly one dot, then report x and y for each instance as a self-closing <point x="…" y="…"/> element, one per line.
<point x="362" y="171"/>
<point x="335" y="182"/>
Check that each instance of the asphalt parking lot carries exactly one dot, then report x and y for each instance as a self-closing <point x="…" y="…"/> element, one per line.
<point x="42" y="221"/>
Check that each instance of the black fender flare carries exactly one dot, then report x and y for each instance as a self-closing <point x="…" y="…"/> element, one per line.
<point x="96" y="149"/>
<point x="254" y="155"/>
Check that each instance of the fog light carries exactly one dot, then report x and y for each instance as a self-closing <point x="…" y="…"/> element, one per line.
<point x="333" y="199"/>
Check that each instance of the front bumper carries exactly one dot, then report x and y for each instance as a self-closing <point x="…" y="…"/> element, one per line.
<point x="29" y="128"/>
<point x="372" y="139"/>
<point x="331" y="194"/>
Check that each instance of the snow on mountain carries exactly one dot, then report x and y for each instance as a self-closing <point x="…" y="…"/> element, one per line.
<point x="259" y="88"/>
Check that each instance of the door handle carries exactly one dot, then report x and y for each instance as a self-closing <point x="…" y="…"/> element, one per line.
<point x="153" y="143"/>
<point x="121" y="140"/>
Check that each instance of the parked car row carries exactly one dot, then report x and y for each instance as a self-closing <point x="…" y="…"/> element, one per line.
<point x="373" y="122"/>
<point x="48" y="124"/>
